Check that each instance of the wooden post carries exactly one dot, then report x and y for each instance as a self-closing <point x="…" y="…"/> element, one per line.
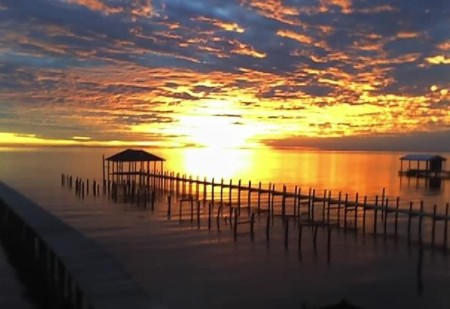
<point x="103" y="168"/>
<point x="212" y="191"/>
<point x="229" y="192"/>
<point x="272" y="202"/>
<point x="283" y="203"/>
<point x="219" y="212"/>
<point x="197" y="188"/>
<point x="409" y="221"/>
<point x="268" y="227"/>
<point x="312" y="204"/>
<point x="445" y="226"/>
<point x="364" y="214"/>
<point x="323" y="204"/>
<point x="249" y="197"/>
<point x="295" y="204"/>
<point x="356" y="211"/>
<point x="433" y="225"/>
<point x="259" y="198"/>
<point x="153" y="200"/>
<point x="221" y="191"/>
<point x="396" y="216"/>
<point x="375" y="215"/>
<point x="383" y="195"/>
<point x="345" y="211"/>
<point x="386" y="216"/>
<point x="286" y="234"/>
<point x="328" y="207"/>
<point x="239" y="197"/>
<point x="190" y="185"/>
<point x="339" y="209"/>
<point x="269" y="198"/>
<point x="420" y="221"/>
<point x="198" y="214"/>
<point x="205" y="187"/>
<point x="169" y="206"/>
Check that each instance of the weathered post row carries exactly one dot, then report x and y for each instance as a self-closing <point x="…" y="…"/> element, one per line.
<point x="339" y="210"/>
<point x="313" y="206"/>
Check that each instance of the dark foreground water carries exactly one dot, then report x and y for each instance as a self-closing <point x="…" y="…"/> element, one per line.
<point x="181" y="266"/>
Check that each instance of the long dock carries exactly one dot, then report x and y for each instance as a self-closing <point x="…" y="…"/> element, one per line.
<point x="238" y="202"/>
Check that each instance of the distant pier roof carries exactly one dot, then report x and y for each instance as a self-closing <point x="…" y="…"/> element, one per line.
<point x="134" y="155"/>
<point x="422" y="157"/>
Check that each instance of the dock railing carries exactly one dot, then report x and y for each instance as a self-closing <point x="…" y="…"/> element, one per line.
<point x="378" y="215"/>
<point x="80" y="272"/>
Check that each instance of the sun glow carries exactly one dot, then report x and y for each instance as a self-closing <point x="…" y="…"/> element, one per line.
<point x="218" y="124"/>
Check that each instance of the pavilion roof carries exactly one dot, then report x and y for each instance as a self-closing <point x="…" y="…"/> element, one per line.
<point x="134" y="155"/>
<point x="422" y="157"/>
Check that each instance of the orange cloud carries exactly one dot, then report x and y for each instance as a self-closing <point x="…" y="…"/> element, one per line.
<point x="438" y="59"/>
<point x="222" y="25"/>
<point x="245" y="49"/>
<point x="295" y="36"/>
<point x="98" y="5"/>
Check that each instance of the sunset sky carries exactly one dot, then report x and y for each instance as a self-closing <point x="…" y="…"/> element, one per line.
<point x="245" y="73"/>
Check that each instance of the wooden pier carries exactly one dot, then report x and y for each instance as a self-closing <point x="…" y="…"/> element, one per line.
<point x="78" y="273"/>
<point x="238" y="204"/>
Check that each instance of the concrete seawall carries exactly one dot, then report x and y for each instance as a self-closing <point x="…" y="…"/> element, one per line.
<point x="81" y="273"/>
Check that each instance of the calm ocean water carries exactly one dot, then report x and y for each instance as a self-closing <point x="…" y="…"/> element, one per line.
<point x="183" y="267"/>
<point x="364" y="172"/>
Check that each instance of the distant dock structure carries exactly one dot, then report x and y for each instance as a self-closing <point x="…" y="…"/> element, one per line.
<point x="424" y="166"/>
<point x="130" y="165"/>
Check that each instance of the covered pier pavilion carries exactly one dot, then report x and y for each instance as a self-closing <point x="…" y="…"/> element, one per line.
<point x="131" y="165"/>
<point x="424" y="165"/>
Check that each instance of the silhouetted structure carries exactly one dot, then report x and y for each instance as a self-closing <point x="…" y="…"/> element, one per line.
<point x="424" y="165"/>
<point x="131" y="165"/>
